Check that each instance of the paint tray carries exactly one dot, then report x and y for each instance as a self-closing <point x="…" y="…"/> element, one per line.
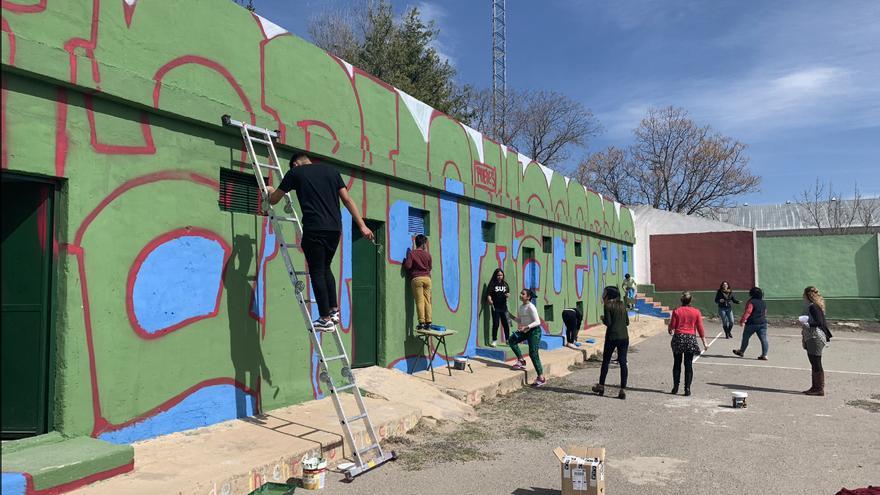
<point x="274" y="489"/>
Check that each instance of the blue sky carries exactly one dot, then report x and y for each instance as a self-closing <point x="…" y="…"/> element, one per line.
<point x="796" y="80"/>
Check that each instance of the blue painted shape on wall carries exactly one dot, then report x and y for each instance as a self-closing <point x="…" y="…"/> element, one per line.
<point x="598" y="291"/>
<point x="478" y="249"/>
<point x="515" y="254"/>
<point x="579" y="275"/>
<point x="558" y="258"/>
<point x="604" y="257"/>
<point x="613" y="257"/>
<point x="205" y="406"/>
<point x="399" y="239"/>
<point x="178" y="280"/>
<point x="449" y="245"/>
<point x="14" y="484"/>
<point x="532" y="275"/>
<point x="270" y="246"/>
<point x="345" y="297"/>
<point x="414" y="364"/>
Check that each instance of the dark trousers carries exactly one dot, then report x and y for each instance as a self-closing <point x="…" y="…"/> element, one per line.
<point x="571" y="326"/>
<point x="816" y="363"/>
<point x="621" y="346"/>
<point x="319" y="248"/>
<point x="688" y="368"/>
<point x="499" y="316"/>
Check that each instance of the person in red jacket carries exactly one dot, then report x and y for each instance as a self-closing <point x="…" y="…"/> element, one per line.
<point x="418" y="266"/>
<point x="685" y="324"/>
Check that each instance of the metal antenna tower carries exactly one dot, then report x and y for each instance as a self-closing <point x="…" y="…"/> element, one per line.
<point x="499" y="68"/>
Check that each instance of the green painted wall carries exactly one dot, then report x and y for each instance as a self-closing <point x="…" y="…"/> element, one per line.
<point x="122" y="104"/>
<point x="839" y="265"/>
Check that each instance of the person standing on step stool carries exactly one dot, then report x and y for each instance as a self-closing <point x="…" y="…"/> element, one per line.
<point x="572" y="318"/>
<point x="418" y="266"/>
<point x="616" y="322"/>
<point x="754" y="321"/>
<point x="684" y="326"/>
<point x="528" y="329"/>
<point x="815" y="336"/>
<point x="498" y="291"/>
<point x="319" y="189"/>
<point x="629" y="289"/>
<point x="723" y="298"/>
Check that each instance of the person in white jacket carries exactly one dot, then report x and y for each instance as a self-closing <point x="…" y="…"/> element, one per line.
<point x="528" y="329"/>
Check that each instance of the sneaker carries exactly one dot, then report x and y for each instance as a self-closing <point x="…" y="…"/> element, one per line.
<point x="334" y="317"/>
<point x="539" y="382"/>
<point x="738" y="352"/>
<point x="598" y="389"/>
<point x="621" y="394"/>
<point x="762" y="358"/>
<point x="520" y="365"/>
<point x="323" y="325"/>
<point x="494" y="343"/>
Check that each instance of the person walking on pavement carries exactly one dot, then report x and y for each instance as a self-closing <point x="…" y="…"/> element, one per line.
<point x="528" y="329"/>
<point x="723" y="298"/>
<point x="319" y="189"/>
<point x="815" y="336"/>
<point x="616" y="322"/>
<point x="629" y="289"/>
<point x="498" y="291"/>
<point x="418" y="266"/>
<point x="572" y="318"/>
<point x="684" y="326"/>
<point x="754" y="321"/>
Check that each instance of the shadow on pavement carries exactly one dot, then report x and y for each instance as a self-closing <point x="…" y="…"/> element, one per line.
<point x="733" y="386"/>
<point x="535" y="491"/>
<point x="651" y="390"/>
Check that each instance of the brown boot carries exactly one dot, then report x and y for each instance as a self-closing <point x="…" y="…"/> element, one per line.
<point x="819" y="377"/>
<point x="812" y="385"/>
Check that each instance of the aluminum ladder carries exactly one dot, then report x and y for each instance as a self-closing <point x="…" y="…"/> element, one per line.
<point x="251" y="135"/>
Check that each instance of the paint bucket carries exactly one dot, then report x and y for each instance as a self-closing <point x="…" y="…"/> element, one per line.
<point x="314" y="473"/>
<point x="740" y="399"/>
<point x="460" y="362"/>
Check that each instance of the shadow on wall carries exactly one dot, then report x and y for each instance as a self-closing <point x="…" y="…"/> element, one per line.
<point x="868" y="266"/>
<point x="244" y="330"/>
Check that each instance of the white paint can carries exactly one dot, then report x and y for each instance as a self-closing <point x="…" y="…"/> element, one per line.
<point x="740" y="399"/>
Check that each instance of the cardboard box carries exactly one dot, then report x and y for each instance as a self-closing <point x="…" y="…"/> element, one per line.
<point x="583" y="470"/>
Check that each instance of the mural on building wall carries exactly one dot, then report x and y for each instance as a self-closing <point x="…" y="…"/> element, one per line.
<point x="176" y="314"/>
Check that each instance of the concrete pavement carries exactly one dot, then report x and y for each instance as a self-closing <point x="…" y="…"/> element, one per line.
<point x="238" y="456"/>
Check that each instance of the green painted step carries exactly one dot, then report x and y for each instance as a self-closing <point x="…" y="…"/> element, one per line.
<point x="14" y="446"/>
<point x="52" y="462"/>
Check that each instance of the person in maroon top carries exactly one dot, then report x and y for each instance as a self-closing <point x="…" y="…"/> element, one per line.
<point x="685" y="324"/>
<point x="418" y="266"/>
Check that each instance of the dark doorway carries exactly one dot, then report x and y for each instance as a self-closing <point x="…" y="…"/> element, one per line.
<point x="27" y="361"/>
<point x="367" y="262"/>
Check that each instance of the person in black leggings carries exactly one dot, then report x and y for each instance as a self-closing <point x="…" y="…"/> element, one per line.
<point x="572" y="318"/>
<point x="616" y="322"/>
<point x="498" y="290"/>
<point x="815" y="336"/>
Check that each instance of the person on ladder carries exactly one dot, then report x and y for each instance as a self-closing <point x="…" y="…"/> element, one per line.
<point x="319" y="188"/>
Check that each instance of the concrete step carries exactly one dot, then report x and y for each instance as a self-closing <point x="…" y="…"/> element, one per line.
<point x="241" y="455"/>
<point x="60" y="465"/>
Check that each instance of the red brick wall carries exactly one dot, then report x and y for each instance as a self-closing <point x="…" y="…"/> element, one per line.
<point x="702" y="261"/>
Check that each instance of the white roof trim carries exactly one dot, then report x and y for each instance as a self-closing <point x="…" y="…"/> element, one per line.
<point x="421" y="113"/>
<point x="270" y="28"/>
<point x="477" y="138"/>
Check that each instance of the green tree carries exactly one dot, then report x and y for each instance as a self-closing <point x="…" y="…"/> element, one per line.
<point x="398" y="51"/>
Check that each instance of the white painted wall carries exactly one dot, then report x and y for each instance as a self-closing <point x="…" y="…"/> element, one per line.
<point x="649" y="221"/>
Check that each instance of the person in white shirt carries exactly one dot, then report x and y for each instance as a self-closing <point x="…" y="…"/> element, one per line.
<point x="529" y="329"/>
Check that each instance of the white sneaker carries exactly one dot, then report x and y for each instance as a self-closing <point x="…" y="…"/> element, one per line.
<point x="494" y="343"/>
<point x="323" y="325"/>
<point x="334" y="317"/>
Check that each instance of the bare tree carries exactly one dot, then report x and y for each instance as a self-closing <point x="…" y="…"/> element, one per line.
<point x="545" y="125"/>
<point x="340" y="31"/>
<point x="674" y="164"/>
<point x="822" y="207"/>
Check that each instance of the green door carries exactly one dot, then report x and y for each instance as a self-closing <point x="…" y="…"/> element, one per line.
<point x="26" y="261"/>
<point x="366" y="261"/>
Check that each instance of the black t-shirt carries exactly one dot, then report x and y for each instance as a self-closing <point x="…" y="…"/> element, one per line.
<point x="498" y="292"/>
<point x="317" y="187"/>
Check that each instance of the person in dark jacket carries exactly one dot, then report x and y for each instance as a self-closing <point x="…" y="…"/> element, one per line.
<point x="616" y="322"/>
<point x="498" y="291"/>
<point x="815" y="336"/>
<point x="572" y="318"/>
<point x="754" y="321"/>
<point x="723" y="298"/>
